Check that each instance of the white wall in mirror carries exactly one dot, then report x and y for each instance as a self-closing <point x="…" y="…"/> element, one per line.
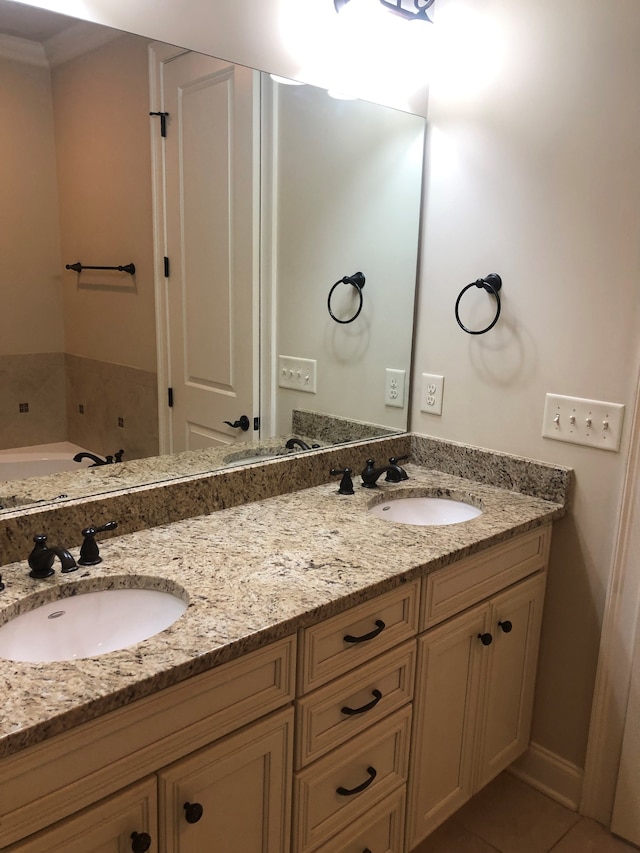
<point x="273" y="36"/>
<point x="357" y="211"/>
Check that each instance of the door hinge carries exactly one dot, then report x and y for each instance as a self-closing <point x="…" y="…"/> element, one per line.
<point x="166" y="267"/>
<point x="256" y="423"/>
<point x="163" y="122"/>
<point x="170" y="397"/>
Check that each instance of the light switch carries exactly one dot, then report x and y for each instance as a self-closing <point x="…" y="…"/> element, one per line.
<point x="297" y="373"/>
<point x="581" y="421"/>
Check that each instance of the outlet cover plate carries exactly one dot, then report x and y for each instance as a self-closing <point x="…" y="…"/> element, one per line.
<point x="581" y="421"/>
<point x="431" y="393"/>
<point x="394" y="387"/>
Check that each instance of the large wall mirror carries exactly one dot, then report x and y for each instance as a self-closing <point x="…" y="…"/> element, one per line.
<point x="331" y="189"/>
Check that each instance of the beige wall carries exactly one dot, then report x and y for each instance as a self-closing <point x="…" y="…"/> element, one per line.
<point x="98" y="209"/>
<point x="30" y="281"/>
<point x="103" y="151"/>
<point x="537" y="178"/>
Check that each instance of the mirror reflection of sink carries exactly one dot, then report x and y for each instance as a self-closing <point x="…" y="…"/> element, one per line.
<point x="88" y="624"/>
<point x="423" y="510"/>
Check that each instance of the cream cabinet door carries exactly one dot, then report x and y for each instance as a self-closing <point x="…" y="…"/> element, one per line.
<point x="514" y="623"/>
<point x="125" y="822"/>
<point x="474" y="697"/>
<point x="451" y="662"/>
<point x="233" y="796"/>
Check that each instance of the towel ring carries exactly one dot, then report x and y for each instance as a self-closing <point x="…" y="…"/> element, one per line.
<point x="357" y="280"/>
<point x="492" y="284"/>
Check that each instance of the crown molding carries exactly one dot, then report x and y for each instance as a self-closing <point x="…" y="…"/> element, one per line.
<point x="23" y="50"/>
<point x="77" y="40"/>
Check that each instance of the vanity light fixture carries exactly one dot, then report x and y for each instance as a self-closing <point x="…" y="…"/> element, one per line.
<point x="410" y="10"/>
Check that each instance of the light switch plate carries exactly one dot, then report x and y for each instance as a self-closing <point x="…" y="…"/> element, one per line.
<point x="297" y="373"/>
<point x="581" y="421"/>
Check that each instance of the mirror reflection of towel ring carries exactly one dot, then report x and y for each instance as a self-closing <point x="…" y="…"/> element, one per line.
<point x="492" y="284"/>
<point x="357" y="280"/>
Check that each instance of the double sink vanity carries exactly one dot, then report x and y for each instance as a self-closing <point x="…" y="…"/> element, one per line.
<point x="339" y="680"/>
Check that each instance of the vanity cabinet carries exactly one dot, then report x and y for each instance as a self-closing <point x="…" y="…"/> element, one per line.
<point x="233" y="796"/>
<point x="199" y="741"/>
<point x="236" y="792"/>
<point x="364" y="732"/>
<point x="353" y="731"/>
<point x="115" y="825"/>
<point x="475" y="680"/>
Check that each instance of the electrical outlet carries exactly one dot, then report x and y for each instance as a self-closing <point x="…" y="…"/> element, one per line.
<point x="432" y="393"/>
<point x="298" y="374"/>
<point x="394" y="387"/>
<point x="579" y="421"/>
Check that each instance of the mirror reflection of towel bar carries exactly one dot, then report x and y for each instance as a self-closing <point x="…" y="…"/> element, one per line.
<point x="357" y="280"/>
<point x="78" y="267"/>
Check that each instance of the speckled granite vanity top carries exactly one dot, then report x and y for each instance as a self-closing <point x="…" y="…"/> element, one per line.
<point x="251" y="574"/>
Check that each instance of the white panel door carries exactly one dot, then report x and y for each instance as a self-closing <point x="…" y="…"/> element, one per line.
<point x="211" y="202"/>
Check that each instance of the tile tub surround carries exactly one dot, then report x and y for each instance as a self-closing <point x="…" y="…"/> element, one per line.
<point x="149" y="492"/>
<point x="252" y="574"/>
<point x="108" y="391"/>
<point x="36" y="379"/>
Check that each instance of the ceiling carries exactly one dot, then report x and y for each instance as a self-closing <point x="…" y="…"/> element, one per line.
<point x="27" y="22"/>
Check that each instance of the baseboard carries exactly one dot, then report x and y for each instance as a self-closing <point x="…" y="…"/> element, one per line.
<point x="549" y="773"/>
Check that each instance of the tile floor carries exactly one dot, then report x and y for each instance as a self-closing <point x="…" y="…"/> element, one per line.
<point x="511" y="817"/>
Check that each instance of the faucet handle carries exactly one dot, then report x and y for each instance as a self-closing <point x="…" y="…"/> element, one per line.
<point x="396" y="473"/>
<point x="346" y="484"/>
<point x="40" y="559"/>
<point x="89" y="551"/>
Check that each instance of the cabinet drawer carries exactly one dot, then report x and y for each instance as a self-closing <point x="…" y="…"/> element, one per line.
<point x="452" y="589"/>
<point x="335" y="790"/>
<point x="382" y="833"/>
<point x="50" y="780"/>
<point x="376" y="689"/>
<point x="336" y="645"/>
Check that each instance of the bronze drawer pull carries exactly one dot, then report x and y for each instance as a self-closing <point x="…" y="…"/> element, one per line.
<point x="377" y="696"/>
<point x="347" y="792"/>
<point x="380" y="626"/>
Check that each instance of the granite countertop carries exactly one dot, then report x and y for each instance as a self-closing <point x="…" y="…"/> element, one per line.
<point x="102" y="479"/>
<point x="251" y="574"/>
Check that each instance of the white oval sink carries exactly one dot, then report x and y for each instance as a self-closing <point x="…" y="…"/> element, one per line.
<point x="425" y="511"/>
<point x="88" y="624"/>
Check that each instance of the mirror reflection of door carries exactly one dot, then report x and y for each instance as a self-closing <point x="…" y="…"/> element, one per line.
<point x="210" y="175"/>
